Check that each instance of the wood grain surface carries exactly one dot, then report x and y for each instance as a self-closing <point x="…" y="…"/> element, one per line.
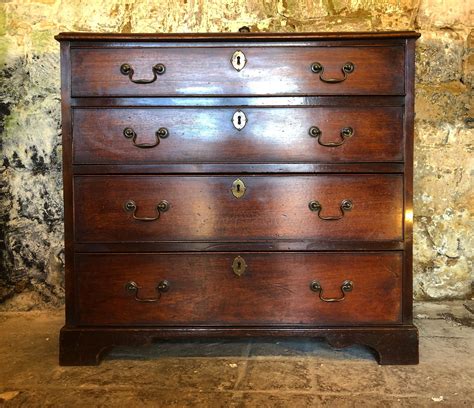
<point x="207" y="135"/>
<point x="208" y="71"/>
<point x="274" y="289"/>
<point x="204" y="208"/>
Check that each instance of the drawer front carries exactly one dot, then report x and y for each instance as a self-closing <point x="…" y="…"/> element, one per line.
<point x="205" y="208"/>
<point x="270" y="135"/>
<point x="203" y="289"/>
<point x="209" y="71"/>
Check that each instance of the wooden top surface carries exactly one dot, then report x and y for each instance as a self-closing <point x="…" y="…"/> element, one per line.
<point x="245" y="36"/>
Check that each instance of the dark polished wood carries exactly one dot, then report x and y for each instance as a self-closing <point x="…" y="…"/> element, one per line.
<point x="249" y="245"/>
<point x="255" y="36"/>
<point x="204" y="208"/>
<point x="208" y="71"/>
<point x="408" y="124"/>
<point x="87" y="345"/>
<point x="68" y="188"/>
<point x="239" y="168"/>
<point x="271" y="135"/>
<point x="270" y="101"/>
<point x="284" y="244"/>
<point x="274" y="289"/>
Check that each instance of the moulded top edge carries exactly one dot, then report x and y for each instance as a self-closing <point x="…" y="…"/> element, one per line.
<point x="261" y="36"/>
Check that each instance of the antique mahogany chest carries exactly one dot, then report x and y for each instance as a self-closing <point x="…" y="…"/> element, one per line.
<point x="235" y="185"/>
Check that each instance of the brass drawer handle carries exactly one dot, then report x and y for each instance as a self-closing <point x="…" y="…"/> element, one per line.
<point x="346" y="205"/>
<point x="346" y="286"/>
<point x="158" y="69"/>
<point x="132" y="289"/>
<point x="346" y="133"/>
<point x="161" y="133"/>
<point x="161" y="207"/>
<point x="346" y="69"/>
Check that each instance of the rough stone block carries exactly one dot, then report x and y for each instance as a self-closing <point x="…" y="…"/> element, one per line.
<point x="439" y="56"/>
<point x="447" y="102"/>
<point x="443" y="174"/>
<point x="445" y="13"/>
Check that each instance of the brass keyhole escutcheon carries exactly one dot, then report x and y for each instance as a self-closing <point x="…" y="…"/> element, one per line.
<point x="239" y="120"/>
<point x="238" y="188"/>
<point x="239" y="265"/>
<point x="238" y="60"/>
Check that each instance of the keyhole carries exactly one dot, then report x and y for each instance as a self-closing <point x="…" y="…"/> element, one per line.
<point x="238" y="60"/>
<point x="238" y="188"/>
<point x="239" y="120"/>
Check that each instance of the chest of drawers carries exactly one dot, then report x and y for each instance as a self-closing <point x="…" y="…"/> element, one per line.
<point x="236" y="185"/>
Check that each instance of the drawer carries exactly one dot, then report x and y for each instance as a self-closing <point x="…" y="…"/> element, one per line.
<point x="208" y="135"/>
<point x="204" y="289"/>
<point x="209" y="71"/>
<point x="205" y="208"/>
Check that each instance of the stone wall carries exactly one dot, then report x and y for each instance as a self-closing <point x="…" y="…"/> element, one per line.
<point x="31" y="272"/>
